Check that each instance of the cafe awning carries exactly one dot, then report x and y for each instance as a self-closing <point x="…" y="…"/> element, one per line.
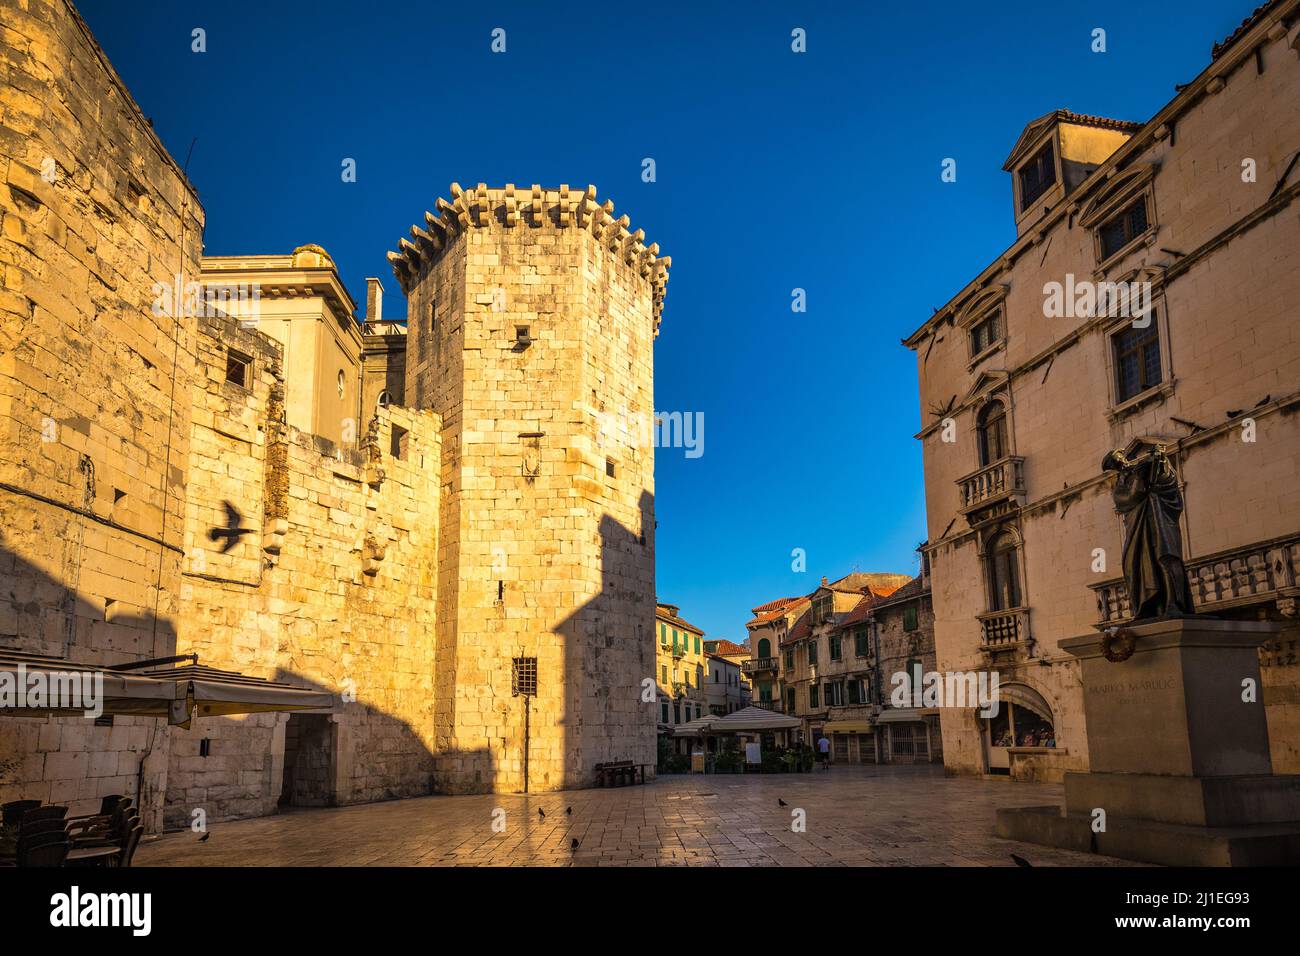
<point x="752" y="719"/>
<point x="847" y="727"/>
<point x="34" y="686"/>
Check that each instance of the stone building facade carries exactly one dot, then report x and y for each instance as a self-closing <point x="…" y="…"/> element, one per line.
<point x="1047" y="360"/>
<point x="681" y="668"/>
<point x="532" y="313"/>
<point x="178" y="479"/>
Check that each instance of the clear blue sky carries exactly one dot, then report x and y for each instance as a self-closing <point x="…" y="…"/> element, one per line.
<point x="775" y="170"/>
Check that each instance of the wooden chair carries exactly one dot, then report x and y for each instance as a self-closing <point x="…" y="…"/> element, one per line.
<point x="45" y="849"/>
<point x="37" y="814"/>
<point x="31" y="828"/>
<point x="12" y="812"/>
<point x="97" y="827"/>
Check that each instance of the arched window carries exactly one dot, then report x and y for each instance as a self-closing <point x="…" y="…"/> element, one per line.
<point x="992" y="426"/>
<point x="1003" y="572"/>
<point x="384" y="399"/>
<point x="764" y="648"/>
<point x="342" y="381"/>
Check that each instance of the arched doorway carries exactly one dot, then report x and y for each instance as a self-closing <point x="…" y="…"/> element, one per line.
<point x="1024" y="720"/>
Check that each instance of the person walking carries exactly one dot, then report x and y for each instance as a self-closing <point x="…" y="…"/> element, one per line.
<point x="824" y="752"/>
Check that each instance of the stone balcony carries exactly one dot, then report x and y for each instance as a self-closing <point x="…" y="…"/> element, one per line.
<point x="758" y="665"/>
<point x="1003" y="480"/>
<point x="1255" y="574"/>
<point x="1005" y="634"/>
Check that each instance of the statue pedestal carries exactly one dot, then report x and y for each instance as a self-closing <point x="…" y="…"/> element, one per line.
<point x="1179" y="762"/>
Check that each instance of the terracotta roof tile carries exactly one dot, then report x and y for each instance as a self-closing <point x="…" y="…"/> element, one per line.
<point x="1222" y="46"/>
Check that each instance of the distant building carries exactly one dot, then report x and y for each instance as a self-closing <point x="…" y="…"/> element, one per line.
<point x="680" y="667"/>
<point x="737" y="654"/>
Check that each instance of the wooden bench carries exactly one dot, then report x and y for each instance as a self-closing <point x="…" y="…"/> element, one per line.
<point x="619" y="773"/>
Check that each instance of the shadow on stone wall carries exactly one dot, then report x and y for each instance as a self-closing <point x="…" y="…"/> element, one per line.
<point x="604" y="717"/>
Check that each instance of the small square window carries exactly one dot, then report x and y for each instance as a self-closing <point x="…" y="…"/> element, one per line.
<point x="523" y="677"/>
<point x="237" y="368"/>
<point x="611" y="468"/>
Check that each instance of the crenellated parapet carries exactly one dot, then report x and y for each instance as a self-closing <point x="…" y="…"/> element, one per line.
<point x="529" y="207"/>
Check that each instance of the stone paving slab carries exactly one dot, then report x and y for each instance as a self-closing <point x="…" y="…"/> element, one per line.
<point x="856" y="816"/>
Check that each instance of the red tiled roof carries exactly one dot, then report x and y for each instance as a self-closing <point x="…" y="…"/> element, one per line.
<point x="1105" y="122"/>
<point x="729" y="647"/>
<point x="773" y="605"/>
<point x="1222" y="46"/>
<point x="781" y="611"/>
<point x="676" y="621"/>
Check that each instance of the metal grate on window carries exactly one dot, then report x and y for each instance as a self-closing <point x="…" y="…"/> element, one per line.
<point x="523" y="677"/>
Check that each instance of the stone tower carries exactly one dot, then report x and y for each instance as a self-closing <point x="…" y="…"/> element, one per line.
<point x="532" y="315"/>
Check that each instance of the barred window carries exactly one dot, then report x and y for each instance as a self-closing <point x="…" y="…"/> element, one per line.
<point x="523" y="677"/>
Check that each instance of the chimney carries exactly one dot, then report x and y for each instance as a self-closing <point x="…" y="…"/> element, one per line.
<point x="823" y="580"/>
<point x="374" y="300"/>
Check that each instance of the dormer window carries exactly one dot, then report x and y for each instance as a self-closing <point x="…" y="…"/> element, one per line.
<point x="1037" y="175"/>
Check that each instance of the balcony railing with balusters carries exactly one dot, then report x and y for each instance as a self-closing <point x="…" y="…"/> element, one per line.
<point x="772" y="705"/>
<point x="1254" y="574"/>
<point x="1004" y="631"/>
<point x="756" y="665"/>
<point x="1004" y="478"/>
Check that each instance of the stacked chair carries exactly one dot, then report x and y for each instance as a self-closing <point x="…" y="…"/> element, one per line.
<point x="47" y="837"/>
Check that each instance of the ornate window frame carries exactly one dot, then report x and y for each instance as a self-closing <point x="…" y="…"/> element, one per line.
<point x="984" y="305"/>
<point x="1112" y="199"/>
<point x="1116" y="407"/>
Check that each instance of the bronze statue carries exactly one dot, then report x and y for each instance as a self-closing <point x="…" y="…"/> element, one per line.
<point x="1147" y="495"/>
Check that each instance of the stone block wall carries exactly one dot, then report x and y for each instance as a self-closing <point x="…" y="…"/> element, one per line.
<point x="333" y="586"/>
<point x="530" y="324"/>
<point x="94" y="396"/>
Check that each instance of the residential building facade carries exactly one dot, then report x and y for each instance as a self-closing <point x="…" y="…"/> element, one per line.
<point x="737" y="654"/>
<point x="1147" y="304"/>
<point x="722" y="685"/>
<point x="681" y="668"/>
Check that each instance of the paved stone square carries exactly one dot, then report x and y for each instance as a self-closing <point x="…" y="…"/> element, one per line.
<point x="856" y="816"/>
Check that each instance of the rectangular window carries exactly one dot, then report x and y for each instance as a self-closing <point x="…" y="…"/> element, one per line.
<point x="812" y="650"/>
<point x="1137" y="360"/>
<point x="909" y="619"/>
<point x="524" y="677"/>
<point x="664" y="670"/>
<point x="663" y="634"/>
<point x="697" y="644"/>
<point x="834" y="695"/>
<point x="1037" y="175"/>
<point x="789" y="658"/>
<point x="855" y="694"/>
<point x="812" y="697"/>
<point x="237" y="369"/>
<point x="789" y="697"/>
<point x="862" y="643"/>
<point x="985" y="333"/>
<point x="1122" y="228"/>
<point x="835" y="647"/>
<point x="663" y="712"/>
